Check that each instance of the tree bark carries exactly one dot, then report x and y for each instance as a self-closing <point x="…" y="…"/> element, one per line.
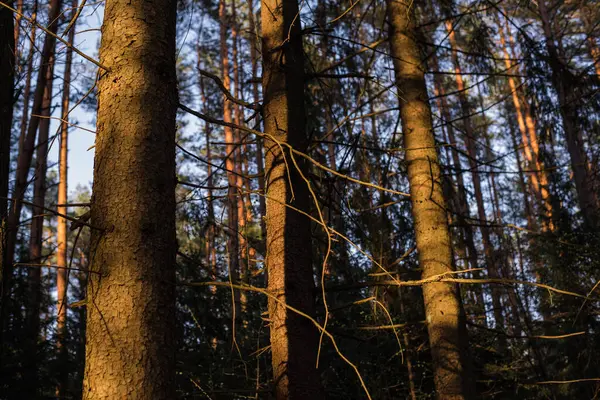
<point x="294" y="339"/>
<point x="130" y="340"/>
<point x="445" y="319"/>
<point x="62" y="275"/>
<point x="233" y="244"/>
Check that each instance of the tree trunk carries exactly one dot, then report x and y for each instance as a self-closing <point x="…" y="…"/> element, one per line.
<point x="27" y="89"/>
<point x="527" y="127"/>
<point x="259" y="141"/>
<point x="445" y="319"/>
<point x="25" y="157"/>
<point x="232" y="213"/>
<point x="17" y="29"/>
<point x="464" y="215"/>
<point x="473" y="165"/>
<point x="238" y="157"/>
<point x="567" y="99"/>
<point x="7" y="73"/>
<point x="61" y="254"/>
<point x="34" y="297"/>
<point x="294" y="339"/>
<point x="130" y="340"/>
<point x="211" y="250"/>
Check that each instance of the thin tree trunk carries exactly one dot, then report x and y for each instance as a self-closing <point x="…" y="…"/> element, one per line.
<point x="130" y="340"/>
<point x="232" y="214"/>
<point x="25" y="157"/>
<point x="211" y="251"/>
<point x="538" y="178"/>
<point x="464" y="215"/>
<point x="473" y="164"/>
<point x="242" y="212"/>
<point x="446" y="325"/>
<point x="294" y="339"/>
<point x="35" y="241"/>
<point x="62" y="281"/>
<point x="17" y="29"/>
<point x="259" y="142"/>
<point x="7" y="73"/>
<point x="567" y="99"/>
<point x="27" y="89"/>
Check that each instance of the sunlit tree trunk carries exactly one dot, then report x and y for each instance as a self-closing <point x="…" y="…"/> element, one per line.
<point x="473" y="164"/>
<point x="527" y="127"/>
<point x="238" y="156"/>
<point x="445" y="319"/>
<point x="294" y="339"/>
<point x="232" y="212"/>
<point x="17" y="30"/>
<point x="567" y="99"/>
<point x="464" y="214"/>
<point x="130" y="340"/>
<point x="61" y="232"/>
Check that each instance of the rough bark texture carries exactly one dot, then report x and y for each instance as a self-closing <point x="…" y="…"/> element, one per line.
<point x="445" y="321"/>
<point x="7" y="71"/>
<point x="130" y="343"/>
<point x="61" y="231"/>
<point x="294" y="339"/>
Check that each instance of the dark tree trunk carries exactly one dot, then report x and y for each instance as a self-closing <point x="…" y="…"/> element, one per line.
<point x="294" y="339"/>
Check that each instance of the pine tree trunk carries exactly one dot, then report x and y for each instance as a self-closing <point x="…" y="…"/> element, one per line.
<point x="211" y="251"/>
<point x="7" y="72"/>
<point x="61" y="254"/>
<point x="294" y="339"/>
<point x="445" y="319"/>
<point x="29" y="73"/>
<point x="567" y="99"/>
<point x="488" y="248"/>
<point x="464" y="215"/>
<point x="242" y="211"/>
<point x="17" y="29"/>
<point x="130" y="340"/>
<point x="25" y="157"/>
<point x="35" y="240"/>
<point x="232" y="213"/>
<point x="527" y="127"/>
<point x="259" y="142"/>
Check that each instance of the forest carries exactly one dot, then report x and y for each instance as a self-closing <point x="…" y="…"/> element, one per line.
<point x="299" y="199"/>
